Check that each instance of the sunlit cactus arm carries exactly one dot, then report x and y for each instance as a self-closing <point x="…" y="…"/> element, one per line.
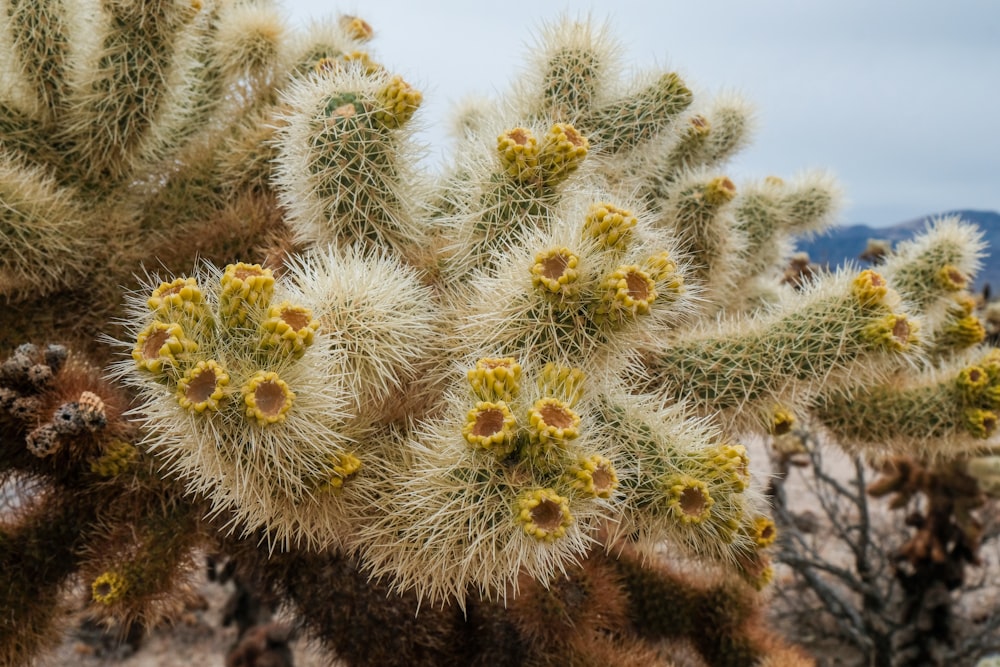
<point x="571" y="69"/>
<point x="621" y="125"/>
<point x="45" y="239"/>
<point x="127" y="93"/>
<point x="581" y="294"/>
<point x="770" y="214"/>
<point x="485" y="206"/>
<point x="342" y="169"/>
<point x="843" y="330"/>
<point x="941" y="413"/>
<point x="699" y="213"/>
<point x="705" y="139"/>
<point x="930" y="269"/>
<point x="40" y="54"/>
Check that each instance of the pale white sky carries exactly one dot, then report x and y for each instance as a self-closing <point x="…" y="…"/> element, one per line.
<point x="900" y="99"/>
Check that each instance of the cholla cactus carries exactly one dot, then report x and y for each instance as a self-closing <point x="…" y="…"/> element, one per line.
<point x="490" y="387"/>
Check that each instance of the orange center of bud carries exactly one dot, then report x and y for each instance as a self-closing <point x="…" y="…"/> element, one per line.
<point x="553" y="267"/>
<point x="294" y="318"/>
<point x="638" y="286"/>
<point x="547" y="515"/>
<point x="151" y="346"/>
<point x="699" y="122"/>
<point x="602" y="480"/>
<point x="102" y="590"/>
<point x="573" y="136"/>
<point x="956" y="277"/>
<point x="989" y="425"/>
<point x="247" y="271"/>
<point x="201" y="388"/>
<point x="767" y="533"/>
<point x="975" y="375"/>
<point x="488" y="422"/>
<point x="270" y="398"/>
<point x="518" y="136"/>
<point x="901" y="330"/>
<point x="556" y="416"/>
<point x="692" y="502"/>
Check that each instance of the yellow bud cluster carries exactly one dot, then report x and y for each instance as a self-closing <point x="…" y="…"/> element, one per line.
<point x="732" y="462"/>
<point x="555" y="271"/>
<point x="244" y="286"/>
<point x="518" y="151"/>
<point x="496" y="379"/>
<point x="870" y="288"/>
<point x="562" y="152"/>
<point x="117" y="458"/>
<point x="782" y="421"/>
<point x="109" y="588"/>
<point x="179" y="297"/>
<point x="491" y="426"/>
<point x="718" y="191"/>
<point x="972" y="380"/>
<point x="289" y="328"/>
<point x="202" y="387"/>
<point x="688" y="499"/>
<point x="344" y="467"/>
<point x="951" y="279"/>
<point x="267" y="398"/>
<point x="764" y="532"/>
<point x="627" y="292"/>
<point x="398" y="101"/>
<point x="980" y="423"/>
<point x="161" y="344"/>
<point x="610" y="225"/>
<point x="893" y="332"/>
<point x="356" y="28"/>
<point x="551" y="421"/>
<point x="561" y="382"/>
<point x="594" y="476"/>
<point x="544" y="515"/>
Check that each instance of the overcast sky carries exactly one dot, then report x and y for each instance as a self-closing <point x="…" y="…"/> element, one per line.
<point x="900" y="99"/>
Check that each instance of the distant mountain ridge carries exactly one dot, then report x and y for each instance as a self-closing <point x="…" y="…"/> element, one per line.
<point x="844" y="243"/>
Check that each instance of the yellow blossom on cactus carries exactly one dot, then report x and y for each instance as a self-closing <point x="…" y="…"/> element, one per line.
<point x="594" y="476"/>
<point x="364" y="59"/>
<point x="731" y="461"/>
<point x="244" y="286"/>
<point x="972" y="380"/>
<point x="490" y="426"/>
<point x="267" y="398"/>
<point x="117" y="458"/>
<point x="609" y="224"/>
<point x="627" y="292"/>
<point x="561" y="382"/>
<point x="181" y="296"/>
<point x="356" y="28"/>
<point x="344" y="467"/>
<point x="893" y="332"/>
<point x="544" y="514"/>
<point x="764" y="532"/>
<point x="551" y="420"/>
<point x="398" y="101"/>
<point x="202" y="387"/>
<point x="869" y="287"/>
<point x="496" y="378"/>
<point x="663" y="271"/>
<point x="555" y="271"/>
<point x="159" y="344"/>
<point x="688" y="499"/>
<point x="991" y="363"/>
<point x="562" y="152"/>
<point x="518" y="151"/>
<point x="782" y="421"/>
<point x="950" y="278"/>
<point x="109" y="588"/>
<point x="719" y="191"/>
<point x="963" y="332"/>
<point x="980" y="423"/>
<point x="289" y="328"/>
